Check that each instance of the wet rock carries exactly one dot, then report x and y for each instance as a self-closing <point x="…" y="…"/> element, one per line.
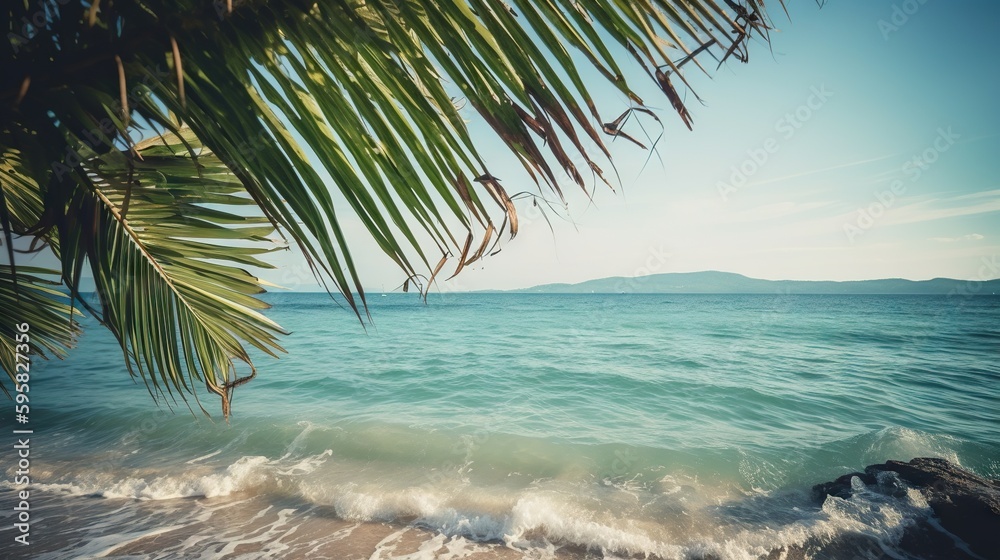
<point x="842" y="487"/>
<point x="966" y="506"/>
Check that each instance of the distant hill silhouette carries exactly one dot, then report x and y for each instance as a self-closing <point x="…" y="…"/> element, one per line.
<point x="730" y="283"/>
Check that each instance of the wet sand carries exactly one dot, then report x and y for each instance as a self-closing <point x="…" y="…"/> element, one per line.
<point x="238" y="526"/>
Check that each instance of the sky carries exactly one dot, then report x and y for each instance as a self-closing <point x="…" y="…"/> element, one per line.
<point x="860" y="146"/>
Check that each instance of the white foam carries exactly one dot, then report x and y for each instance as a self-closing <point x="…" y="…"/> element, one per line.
<point x="364" y="506"/>
<point x="298" y="443"/>
<point x="905" y="444"/>
<point x="560" y="522"/>
<point x="534" y="521"/>
<point x="669" y="519"/>
<point x="306" y="465"/>
<point x="120" y="541"/>
<point x="243" y="473"/>
<point x="203" y="457"/>
<point x="198" y="481"/>
<point x="269" y="537"/>
<point x="438" y="547"/>
<point x="538" y="520"/>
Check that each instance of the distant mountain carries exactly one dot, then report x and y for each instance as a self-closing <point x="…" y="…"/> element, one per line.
<point x="729" y="283"/>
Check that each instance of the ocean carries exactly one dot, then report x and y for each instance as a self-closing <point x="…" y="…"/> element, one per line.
<point x="519" y="426"/>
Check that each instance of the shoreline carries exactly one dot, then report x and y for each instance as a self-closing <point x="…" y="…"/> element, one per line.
<point x="964" y="506"/>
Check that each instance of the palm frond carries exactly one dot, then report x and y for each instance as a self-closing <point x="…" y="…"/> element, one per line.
<point x="171" y="275"/>
<point x="38" y="302"/>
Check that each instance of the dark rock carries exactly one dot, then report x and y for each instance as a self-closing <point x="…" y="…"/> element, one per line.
<point x="965" y="505"/>
<point x="841" y="487"/>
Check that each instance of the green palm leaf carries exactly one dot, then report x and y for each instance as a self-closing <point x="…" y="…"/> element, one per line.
<point x="39" y="302"/>
<point x="180" y="305"/>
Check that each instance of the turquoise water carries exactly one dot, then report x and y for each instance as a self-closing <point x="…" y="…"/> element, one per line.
<point x="609" y="425"/>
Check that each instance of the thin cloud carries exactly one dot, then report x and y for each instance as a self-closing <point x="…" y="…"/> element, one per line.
<point x="823" y="170"/>
<point x="969" y="237"/>
<point x="769" y="212"/>
<point x="938" y="209"/>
